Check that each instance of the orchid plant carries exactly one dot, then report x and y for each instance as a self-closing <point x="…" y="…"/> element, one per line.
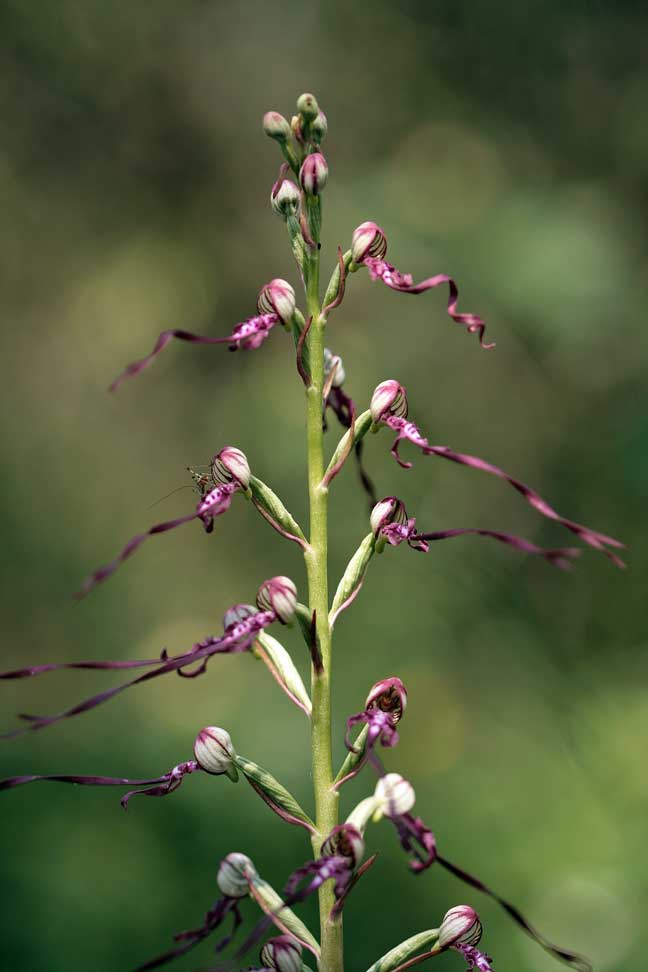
<point x="339" y="843"/>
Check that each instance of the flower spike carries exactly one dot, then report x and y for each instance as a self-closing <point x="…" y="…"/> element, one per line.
<point x="383" y="414"/>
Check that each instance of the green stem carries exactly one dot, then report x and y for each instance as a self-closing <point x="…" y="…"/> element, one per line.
<point x="326" y="800"/>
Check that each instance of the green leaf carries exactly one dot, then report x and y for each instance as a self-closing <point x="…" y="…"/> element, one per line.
<point x="406" y="950"/>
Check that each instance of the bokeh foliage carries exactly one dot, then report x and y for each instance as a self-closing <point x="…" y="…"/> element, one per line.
<point x="502" y="143"/>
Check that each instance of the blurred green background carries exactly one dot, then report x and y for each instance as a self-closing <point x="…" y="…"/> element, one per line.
<point x="505" y="144"/>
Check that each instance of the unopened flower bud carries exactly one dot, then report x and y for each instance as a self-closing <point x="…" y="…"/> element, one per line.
<point x="236" y="614"/>
<point x="388" y="510"/>
<point x="231" y="464"/>
<point x="460" y="926"/>
<point x="234" y="873"/>
<point x="277" y="297"/>
<point x="282" y="953"/>
<point x="307" y="106"/>
<point x="319" y="128"/>
<point x="388" y="398"/>
<point x="278" y="594"/>
<point x="313" y="174"/>
<point x="285" y="198"/>
<point x="394" y="796"/>
<point x="332" y="361"/>
<point x="388" y="695"/>
<point x="368" y="240"/>
<point x="276" y="126"/>
<point x="215" y="753"/>
<point x="345" y="840"/>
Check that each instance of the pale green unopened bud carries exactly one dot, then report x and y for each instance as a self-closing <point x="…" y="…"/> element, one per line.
<point x="283" y="954"/>
<point x="460" y="926"/>
<point x="307" y="107"/>
<point x="278" y="594"/>
<point x="394" y="796"/>
<point x="319" y="128"/>
<point x="285" y="198"/>
<point x="231" y="464"/>
<point x="276" y="126"/>
<point x="215" y="753"/>
<point x="234" y="874"/>
<point x="334" y="361"/>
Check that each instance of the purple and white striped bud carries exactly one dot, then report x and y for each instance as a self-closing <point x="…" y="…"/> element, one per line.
<point x="236" y="614"/>
<point x="319" y="128"/>
<point x="388" y="695"/>
<point x="282" y="953"/>
<point x="388" y="510"/>
<point x="313" y="174"/>
<point x="368" y="240"/>
<point x="277" y="297"/>
<point x="230" y="464"/>
<point x="389" y="398"/>
<point x="276" y="126"/>
<point x="278" y="594"/>
<point x="394" y="796"/>
<point x="345" y="840"/>
<point x="215" y="753"/>
<point x="332" y="361"/>
<point x="307" y="106"/>
<point x="234" y="873"/>
<point x="460" y="926"/>
<point x="285" y="198"/>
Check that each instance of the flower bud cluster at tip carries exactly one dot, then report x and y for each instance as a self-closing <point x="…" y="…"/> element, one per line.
<point x="234" y="874"/>
<point x="394" y="796"/>
<point x="345" y="840"/>
<point x="387" y="510"/>
<point x="231" y="465"/>
<point x="388" y="695"/>
<point x="277" y="297"/>
<point x="389" y="398"/>
<point x="460" y="926"/>
<point x="282" y="953"/>
<point x="313" y="174"/>
<point x="215" y="753"/>
<point x="368" y="240"/>
<point x="278" y="594"/>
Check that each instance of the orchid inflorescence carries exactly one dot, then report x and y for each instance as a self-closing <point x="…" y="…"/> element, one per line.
<point x="339" y="857"/>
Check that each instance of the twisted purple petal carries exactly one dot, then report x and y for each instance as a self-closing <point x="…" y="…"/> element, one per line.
<point x="416" y="839"/>
<point x="476" y="960"/>
<point x="211" y="505"/>
<point x="576" y="961"/>
<point x="403" y="282"/>
<point x="214" y="917"/>
<point x="558" y="556"/>
<point x="249" y="334"/>
<point x="410" y="432"/>
<point x="238" y="638"/>
<point x="380" y="729"/>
